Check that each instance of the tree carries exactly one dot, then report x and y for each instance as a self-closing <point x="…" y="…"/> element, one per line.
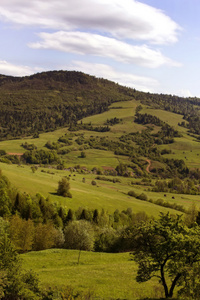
<point x="79" y="235"/>
<point x="63" y="188"/>
<point x="22" y="233"/>
<point x="83" y="155"/>
<point x="14" y="282"/>
<point x="166" y="248"/>
<point x="45" y="236"/>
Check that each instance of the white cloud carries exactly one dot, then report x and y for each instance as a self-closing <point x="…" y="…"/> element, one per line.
<point x="93" y="44"/>
<point x="185" y="93"/>
<point x="128" y="19"/>
<point x="7" y="68"/>
<point x="141" y="83"/>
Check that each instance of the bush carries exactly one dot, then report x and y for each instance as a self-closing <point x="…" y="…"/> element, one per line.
<point x="63" y="188"/>
<point x="132" y="194"/>
<point x="142" y="197"/>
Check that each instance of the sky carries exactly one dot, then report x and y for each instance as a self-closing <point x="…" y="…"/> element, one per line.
<point x="149" y="45"/>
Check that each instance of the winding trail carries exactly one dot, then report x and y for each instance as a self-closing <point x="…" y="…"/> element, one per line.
<point x="149" y="165"/>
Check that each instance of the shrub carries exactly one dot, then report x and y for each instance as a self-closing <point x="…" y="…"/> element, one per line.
<point x="142" y="197"/>
<point x="132" y="194"/>
<point x="63" y="188"/>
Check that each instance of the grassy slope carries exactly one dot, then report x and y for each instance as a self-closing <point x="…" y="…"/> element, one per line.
<point x="106" y="195"/>
<point x="186" y="148"/>
<point x="109" y="276"/>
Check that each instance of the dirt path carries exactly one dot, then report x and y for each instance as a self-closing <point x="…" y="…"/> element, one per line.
<point x="18" y="154"/>
<point x="149" y="165"/>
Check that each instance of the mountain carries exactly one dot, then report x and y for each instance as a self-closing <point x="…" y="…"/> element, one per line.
<point x="48" y="100"/>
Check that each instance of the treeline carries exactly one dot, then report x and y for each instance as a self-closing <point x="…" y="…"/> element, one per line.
<point x="188" y="185"/>
<point x="80" y="126"/>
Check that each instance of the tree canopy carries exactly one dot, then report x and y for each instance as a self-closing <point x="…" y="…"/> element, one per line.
<point x="168" y="249"/>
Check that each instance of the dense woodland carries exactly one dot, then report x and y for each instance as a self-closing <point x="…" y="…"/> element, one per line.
<point x="49" y="100"/>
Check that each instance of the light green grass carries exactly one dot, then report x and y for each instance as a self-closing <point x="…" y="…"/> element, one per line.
<point x="107" y="195"/>
<point x="94" y="158"/>
<point x="127" y="109"/>
<point x="110" y="276"/>
<point x="122" y="110"/>
<point x="166" y="116"/>
<point x="186" y="148"/>
<point x="14" y="146"/>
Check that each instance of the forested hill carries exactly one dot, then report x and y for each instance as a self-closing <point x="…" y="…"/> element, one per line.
<point x="49" y="100"/>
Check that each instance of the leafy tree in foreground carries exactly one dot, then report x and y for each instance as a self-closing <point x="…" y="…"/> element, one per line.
<point x="14" y="282"/>
<point x="167" y="249"/>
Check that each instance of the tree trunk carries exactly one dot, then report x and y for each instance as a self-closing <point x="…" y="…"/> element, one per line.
<point x="79" y="256"/>
<point x="174" y="284"/>
<point x="164" y="282"/>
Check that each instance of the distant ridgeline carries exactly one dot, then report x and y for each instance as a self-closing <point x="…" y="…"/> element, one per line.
<point x="49" y="100"/>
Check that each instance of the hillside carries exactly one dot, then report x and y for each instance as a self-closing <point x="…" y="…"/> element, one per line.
<point x="46" y="101"/>
<point x="73" y="121"/>
<point x="49" y="100"/>
<point x="122" y="158"/>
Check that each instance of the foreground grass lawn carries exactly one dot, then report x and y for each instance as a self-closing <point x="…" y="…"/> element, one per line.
<point x="109" y="276"/>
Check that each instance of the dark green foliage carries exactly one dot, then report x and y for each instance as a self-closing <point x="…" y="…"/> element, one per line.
<point x="132" y="194"/>
<point x="143" y="197"/>
<point x="53" y="146"/>
<point x="65" y="141"/>
<point x="114" y="180"/>
<point x="28" y="146"/>
<point x="113" y="121"/>
<point x="15" y="283"/>
<point x="89" y="127"/>
<point x="148" y="119"/>
<point x="83" y="155"/>
<point x="166" y="248"/>
<point x="46" y="101"/>
<point x="40" y="157"/>
<point x="63" y="188"/>
<point x="176" y="185"/>
<point x="105" y="240"/>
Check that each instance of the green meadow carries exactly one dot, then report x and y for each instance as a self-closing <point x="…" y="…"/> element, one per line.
<point x="104" y="275"/>
<point x="107" y="195"/>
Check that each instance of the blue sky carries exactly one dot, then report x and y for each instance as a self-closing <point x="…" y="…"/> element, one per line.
<point x="151" y="45"/>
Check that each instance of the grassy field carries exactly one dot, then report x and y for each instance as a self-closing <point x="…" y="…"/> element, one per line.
<point x="108" y="276"/>
<point x="107" y="195"/>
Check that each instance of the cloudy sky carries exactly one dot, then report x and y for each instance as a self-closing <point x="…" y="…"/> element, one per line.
<point x="151" y="45"/>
